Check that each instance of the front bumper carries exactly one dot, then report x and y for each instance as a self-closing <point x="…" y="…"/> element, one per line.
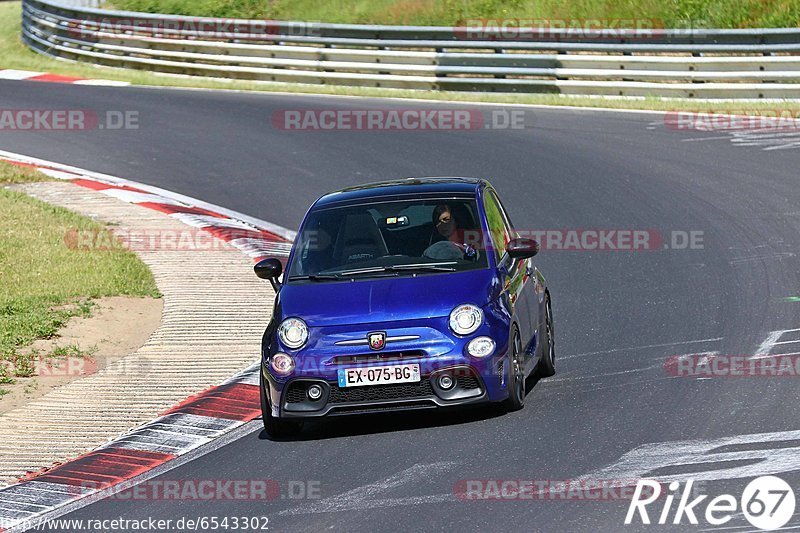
<point x="289" y="399"/>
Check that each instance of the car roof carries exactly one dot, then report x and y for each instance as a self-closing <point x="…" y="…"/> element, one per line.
<point x="415" y="187"/>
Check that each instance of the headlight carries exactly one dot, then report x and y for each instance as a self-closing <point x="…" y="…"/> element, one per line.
<point x="480" y="347"/>
<point x="293" y="333"/>
<point x="465" y="319"/>
<point x="282" y="364"/>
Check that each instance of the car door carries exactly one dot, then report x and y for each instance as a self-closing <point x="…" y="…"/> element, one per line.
<point x="501" y="232"/>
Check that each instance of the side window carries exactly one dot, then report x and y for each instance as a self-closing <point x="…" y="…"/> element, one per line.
<point x="507" y="221"/>
<point x="499" y="230"/>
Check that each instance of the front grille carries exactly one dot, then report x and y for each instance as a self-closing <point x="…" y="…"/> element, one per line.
<point x="379" y="408"/>
<point x="372" y="393"/>
<point x="296" y="393"/>
<point x="468" y="382"/>
<point x="378" y="357"/>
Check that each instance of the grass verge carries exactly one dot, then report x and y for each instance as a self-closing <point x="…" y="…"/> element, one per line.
<point x="15" y="55"/>
<point x="43" y="282"/>
<point x="667" y="13"/>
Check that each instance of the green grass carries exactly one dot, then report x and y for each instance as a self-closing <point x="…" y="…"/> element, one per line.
<point x="670" y="13"/>
<point x="71" y="350"/>
<point x="13" y="54"/>
<point x="5" y="379"/>
<point x="43" y="282"/>
<point x="16" y="174"/>
<point x="24" y="364"/>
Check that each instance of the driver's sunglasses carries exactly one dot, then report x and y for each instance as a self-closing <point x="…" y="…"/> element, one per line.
<point x="444" y="220"/>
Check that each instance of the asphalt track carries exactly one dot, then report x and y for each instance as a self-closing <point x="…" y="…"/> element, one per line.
<point x="619" y="314"/>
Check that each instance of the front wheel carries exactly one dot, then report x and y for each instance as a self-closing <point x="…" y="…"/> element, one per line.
<point x="275" y="427"/>
<point x="516" y="375"/>
<point x="547" y="363"/>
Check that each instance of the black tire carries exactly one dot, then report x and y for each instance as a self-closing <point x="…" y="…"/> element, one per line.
<point x="547" y="363"/>
<point x="275" y="427"/>
<point x="516" y="375"/>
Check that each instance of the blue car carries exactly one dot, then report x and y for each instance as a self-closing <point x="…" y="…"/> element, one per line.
<point x="405" y="294"/>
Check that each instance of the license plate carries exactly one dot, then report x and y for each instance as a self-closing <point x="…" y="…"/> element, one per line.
<point x="378" y="375"/>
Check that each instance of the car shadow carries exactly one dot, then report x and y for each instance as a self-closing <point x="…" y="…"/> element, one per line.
<point x="531" y="382"/>
<point x="374" y="423"/>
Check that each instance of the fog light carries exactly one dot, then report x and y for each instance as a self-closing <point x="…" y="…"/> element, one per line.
<point x="481" y="347"/>
<point x="282" y="364"/>
<point x="314" y="392"/>
<point x="446" y="382"/>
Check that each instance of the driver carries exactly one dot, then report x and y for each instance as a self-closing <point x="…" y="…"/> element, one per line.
<point x="454" y="245"/>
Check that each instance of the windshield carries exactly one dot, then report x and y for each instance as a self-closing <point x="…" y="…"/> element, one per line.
<point x="389" y="238"/>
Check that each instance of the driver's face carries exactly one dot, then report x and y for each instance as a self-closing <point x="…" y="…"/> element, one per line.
<point x="446" y="225"/>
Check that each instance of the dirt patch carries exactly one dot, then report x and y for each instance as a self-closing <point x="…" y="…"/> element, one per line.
<point x="119" y="326"/>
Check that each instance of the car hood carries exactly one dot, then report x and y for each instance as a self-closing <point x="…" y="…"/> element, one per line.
<point x="371" y="300"/>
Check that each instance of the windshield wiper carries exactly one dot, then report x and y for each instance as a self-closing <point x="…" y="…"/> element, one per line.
<point x="315" y="277"/>
<point x="419" y="267"/>
<point x="422" y="267"/>
<point x="359" y="271"/>
<point x="425" y="267"/>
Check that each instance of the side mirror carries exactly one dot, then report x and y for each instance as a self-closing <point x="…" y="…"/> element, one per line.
<point x="522" y="248"/>
<point x="269" y="269"/>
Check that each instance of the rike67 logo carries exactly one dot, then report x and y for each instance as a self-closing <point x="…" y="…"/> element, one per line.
<point x="767" y="502"/>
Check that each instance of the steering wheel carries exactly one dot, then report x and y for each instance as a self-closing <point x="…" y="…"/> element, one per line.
<point x="444" y="250"/>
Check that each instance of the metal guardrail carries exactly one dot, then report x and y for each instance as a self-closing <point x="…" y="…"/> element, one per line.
<point x="762" y="63"/>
